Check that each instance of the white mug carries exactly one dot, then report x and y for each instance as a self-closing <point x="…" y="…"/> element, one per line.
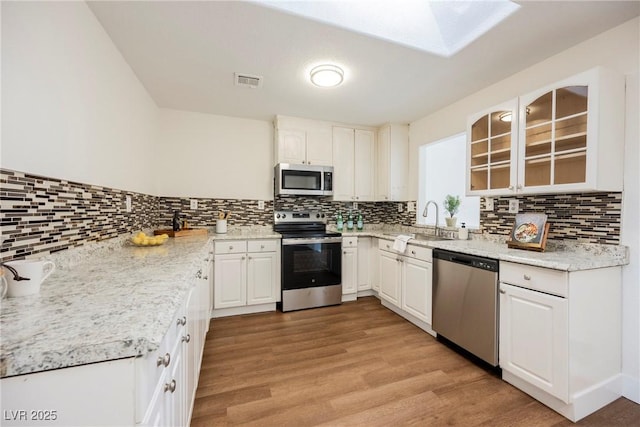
<point x="4" y="284"/>
<point x="36" y="271"/>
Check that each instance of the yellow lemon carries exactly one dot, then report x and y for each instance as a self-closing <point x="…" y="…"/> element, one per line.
<point x="137" y="240"/>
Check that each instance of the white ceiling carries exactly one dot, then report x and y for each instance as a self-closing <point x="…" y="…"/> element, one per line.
<point x="186" y="53"/>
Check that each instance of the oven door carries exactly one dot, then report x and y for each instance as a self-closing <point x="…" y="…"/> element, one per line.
<point x="312" y="262"/>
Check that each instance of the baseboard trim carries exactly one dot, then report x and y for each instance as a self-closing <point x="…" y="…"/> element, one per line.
<point x="249" y="309"/>
<point x="582" y="404"/>
<point x="631" y="388"/>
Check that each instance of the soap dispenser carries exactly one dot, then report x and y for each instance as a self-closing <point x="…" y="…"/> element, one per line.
<point x="463" y="232"/>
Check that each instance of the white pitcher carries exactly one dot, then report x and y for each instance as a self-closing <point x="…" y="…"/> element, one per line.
<point x="36" y="271"/>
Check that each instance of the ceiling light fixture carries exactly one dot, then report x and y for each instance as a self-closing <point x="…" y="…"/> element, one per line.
<point x="327" y="75"/>
<point x="506" y="116"/>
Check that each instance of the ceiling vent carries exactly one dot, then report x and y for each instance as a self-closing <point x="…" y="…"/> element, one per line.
<point x="248" y="80"/>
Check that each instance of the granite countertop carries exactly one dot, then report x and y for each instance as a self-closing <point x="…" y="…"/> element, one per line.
<point x="105" y="301"/>
<point x="566" y="256"/>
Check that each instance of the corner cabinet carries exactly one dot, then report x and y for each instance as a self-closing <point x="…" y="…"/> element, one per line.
<point x="353" y="163"/>
<point x="392" y="163"/>
<point x="569" y="137"/>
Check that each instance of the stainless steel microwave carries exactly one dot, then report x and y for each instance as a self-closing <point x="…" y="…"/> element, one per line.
<point x="303" y="180"/>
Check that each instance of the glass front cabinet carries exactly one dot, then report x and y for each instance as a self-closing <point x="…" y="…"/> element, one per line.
<point x="566" y="137"/>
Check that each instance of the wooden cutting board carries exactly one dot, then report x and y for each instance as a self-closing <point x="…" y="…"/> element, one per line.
<point x="183" y="232"/>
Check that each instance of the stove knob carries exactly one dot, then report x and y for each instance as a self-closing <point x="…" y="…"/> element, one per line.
<point x="284" y="216"/>
<point x="278" y="216"/>
<point x="317" y="215"/>
<point x="322" y="215"/>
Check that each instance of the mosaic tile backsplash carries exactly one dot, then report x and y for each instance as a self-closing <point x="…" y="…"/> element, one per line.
<point x="585" y="217"/>
<point x="42" y="215"/>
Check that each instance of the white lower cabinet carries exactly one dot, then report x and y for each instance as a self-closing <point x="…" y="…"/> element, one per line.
<point x="156" y="389"/>
<point x="534" y="338"/>
<point x="246" y="274"/>
<point x="416" y="288"/>
<point x="364" y="264"/>
<point x="560" y="336"/>
<point x="350" y="266"/>
<point x="406" y="282"/>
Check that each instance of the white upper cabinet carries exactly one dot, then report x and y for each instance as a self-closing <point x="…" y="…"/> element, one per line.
<point x="353" y="162"/>
<point x="492" y="150"/>
<point x="303" y="142"/>
<point x="392" y="162"/>
<point x="569" y="136"/>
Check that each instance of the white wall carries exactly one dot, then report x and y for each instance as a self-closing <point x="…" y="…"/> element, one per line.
<point x="72" y="108"/>
<point x="204" y="155"/>
<point x="631" y="237"/>
<point x="618" y="49"/>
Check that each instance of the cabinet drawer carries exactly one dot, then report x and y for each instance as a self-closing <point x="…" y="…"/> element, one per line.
<point x="230" y="246"/>
<point x="546" y="280"/>
<point x="349" y="242"/>
<point x="263" y="245"/>
<point x="386" y="245"/>
<point x="418" y="252"/>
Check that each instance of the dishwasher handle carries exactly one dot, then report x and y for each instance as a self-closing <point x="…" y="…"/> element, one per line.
<point x="466" y="259"/>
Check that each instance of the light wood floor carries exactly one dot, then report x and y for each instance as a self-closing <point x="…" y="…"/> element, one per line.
<point x="357" y="364"/>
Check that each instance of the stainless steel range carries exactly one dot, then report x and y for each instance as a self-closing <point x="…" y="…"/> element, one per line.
<point x="311" y="260"/>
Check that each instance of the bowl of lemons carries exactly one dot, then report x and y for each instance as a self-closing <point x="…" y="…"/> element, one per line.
<point x="141" y="239"/>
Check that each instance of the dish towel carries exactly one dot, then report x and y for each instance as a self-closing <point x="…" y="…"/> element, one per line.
<point x="400" y="242"/>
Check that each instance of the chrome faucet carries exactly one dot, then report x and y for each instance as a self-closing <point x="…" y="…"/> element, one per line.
<point x="426" y="211"/>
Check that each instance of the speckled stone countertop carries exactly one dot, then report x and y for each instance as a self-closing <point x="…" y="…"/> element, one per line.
<point x="565" y="256"/>
<point x="105" y="301"/>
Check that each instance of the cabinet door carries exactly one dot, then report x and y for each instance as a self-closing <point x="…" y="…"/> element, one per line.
<point x="492" y="150"/>
<point x="174" y="391"/>
<point x="292" y="147"/>
<point x="364" y="263"/>
<point x="343" y="155"/>
<point x="363" y="166"/>
<point x="416" y="288"/>
<point x="261" y="278"/>
<point x="553" y="133"/>
<point x="349" y="270"/>
<point x="374" y="269"/>
<point x="534" y="342"/>
<point x="319" y="146"/>
<point x="230" y="281"/>
<point x="190" y="339"/>
<point x="390" y="276"/>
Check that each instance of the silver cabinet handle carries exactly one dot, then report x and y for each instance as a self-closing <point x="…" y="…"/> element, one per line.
<point x="187" y="338"/>
<point x="527" y="277"/>
<point x="511" y="187"/>
<point x="164" y="360"/>
<point x="230" y="248"/>
<point x="413" y="252"/>
<point x="502" y="291"/>
<point x="344" y="252"/>
<point x="519" y="187"/>
<point x="182" y="321"/>
<point x="261" y="246"/>
<point x="387" y="246"/>
<point x="170" y="387"/>
<point x="205" y="278"/>
<point x="243" y="258"/>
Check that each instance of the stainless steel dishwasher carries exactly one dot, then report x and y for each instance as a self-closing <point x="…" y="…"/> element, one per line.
<point x="465" y="302"/>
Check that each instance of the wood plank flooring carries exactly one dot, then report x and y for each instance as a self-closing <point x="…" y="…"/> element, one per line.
<point x="357" y="364"/>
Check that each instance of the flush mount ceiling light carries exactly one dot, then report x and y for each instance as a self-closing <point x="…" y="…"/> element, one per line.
<point x="439" y="27"/>
<point x="326" y="75"/>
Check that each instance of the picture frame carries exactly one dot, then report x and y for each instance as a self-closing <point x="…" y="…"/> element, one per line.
<point x="530" y="231"/>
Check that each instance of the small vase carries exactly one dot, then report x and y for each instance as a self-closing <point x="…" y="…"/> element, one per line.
<point x="451" y="222"/>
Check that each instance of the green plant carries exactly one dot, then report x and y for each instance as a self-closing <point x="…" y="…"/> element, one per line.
<point x="452" y="204"/>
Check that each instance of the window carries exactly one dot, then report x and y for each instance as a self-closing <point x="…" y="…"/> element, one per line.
<point x="442" y="172"/>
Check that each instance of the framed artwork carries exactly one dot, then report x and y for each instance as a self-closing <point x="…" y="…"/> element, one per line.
<point x="529" y="231"/>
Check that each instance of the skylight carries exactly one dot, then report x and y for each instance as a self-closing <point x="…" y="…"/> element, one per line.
<point x="440" y="27"/>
